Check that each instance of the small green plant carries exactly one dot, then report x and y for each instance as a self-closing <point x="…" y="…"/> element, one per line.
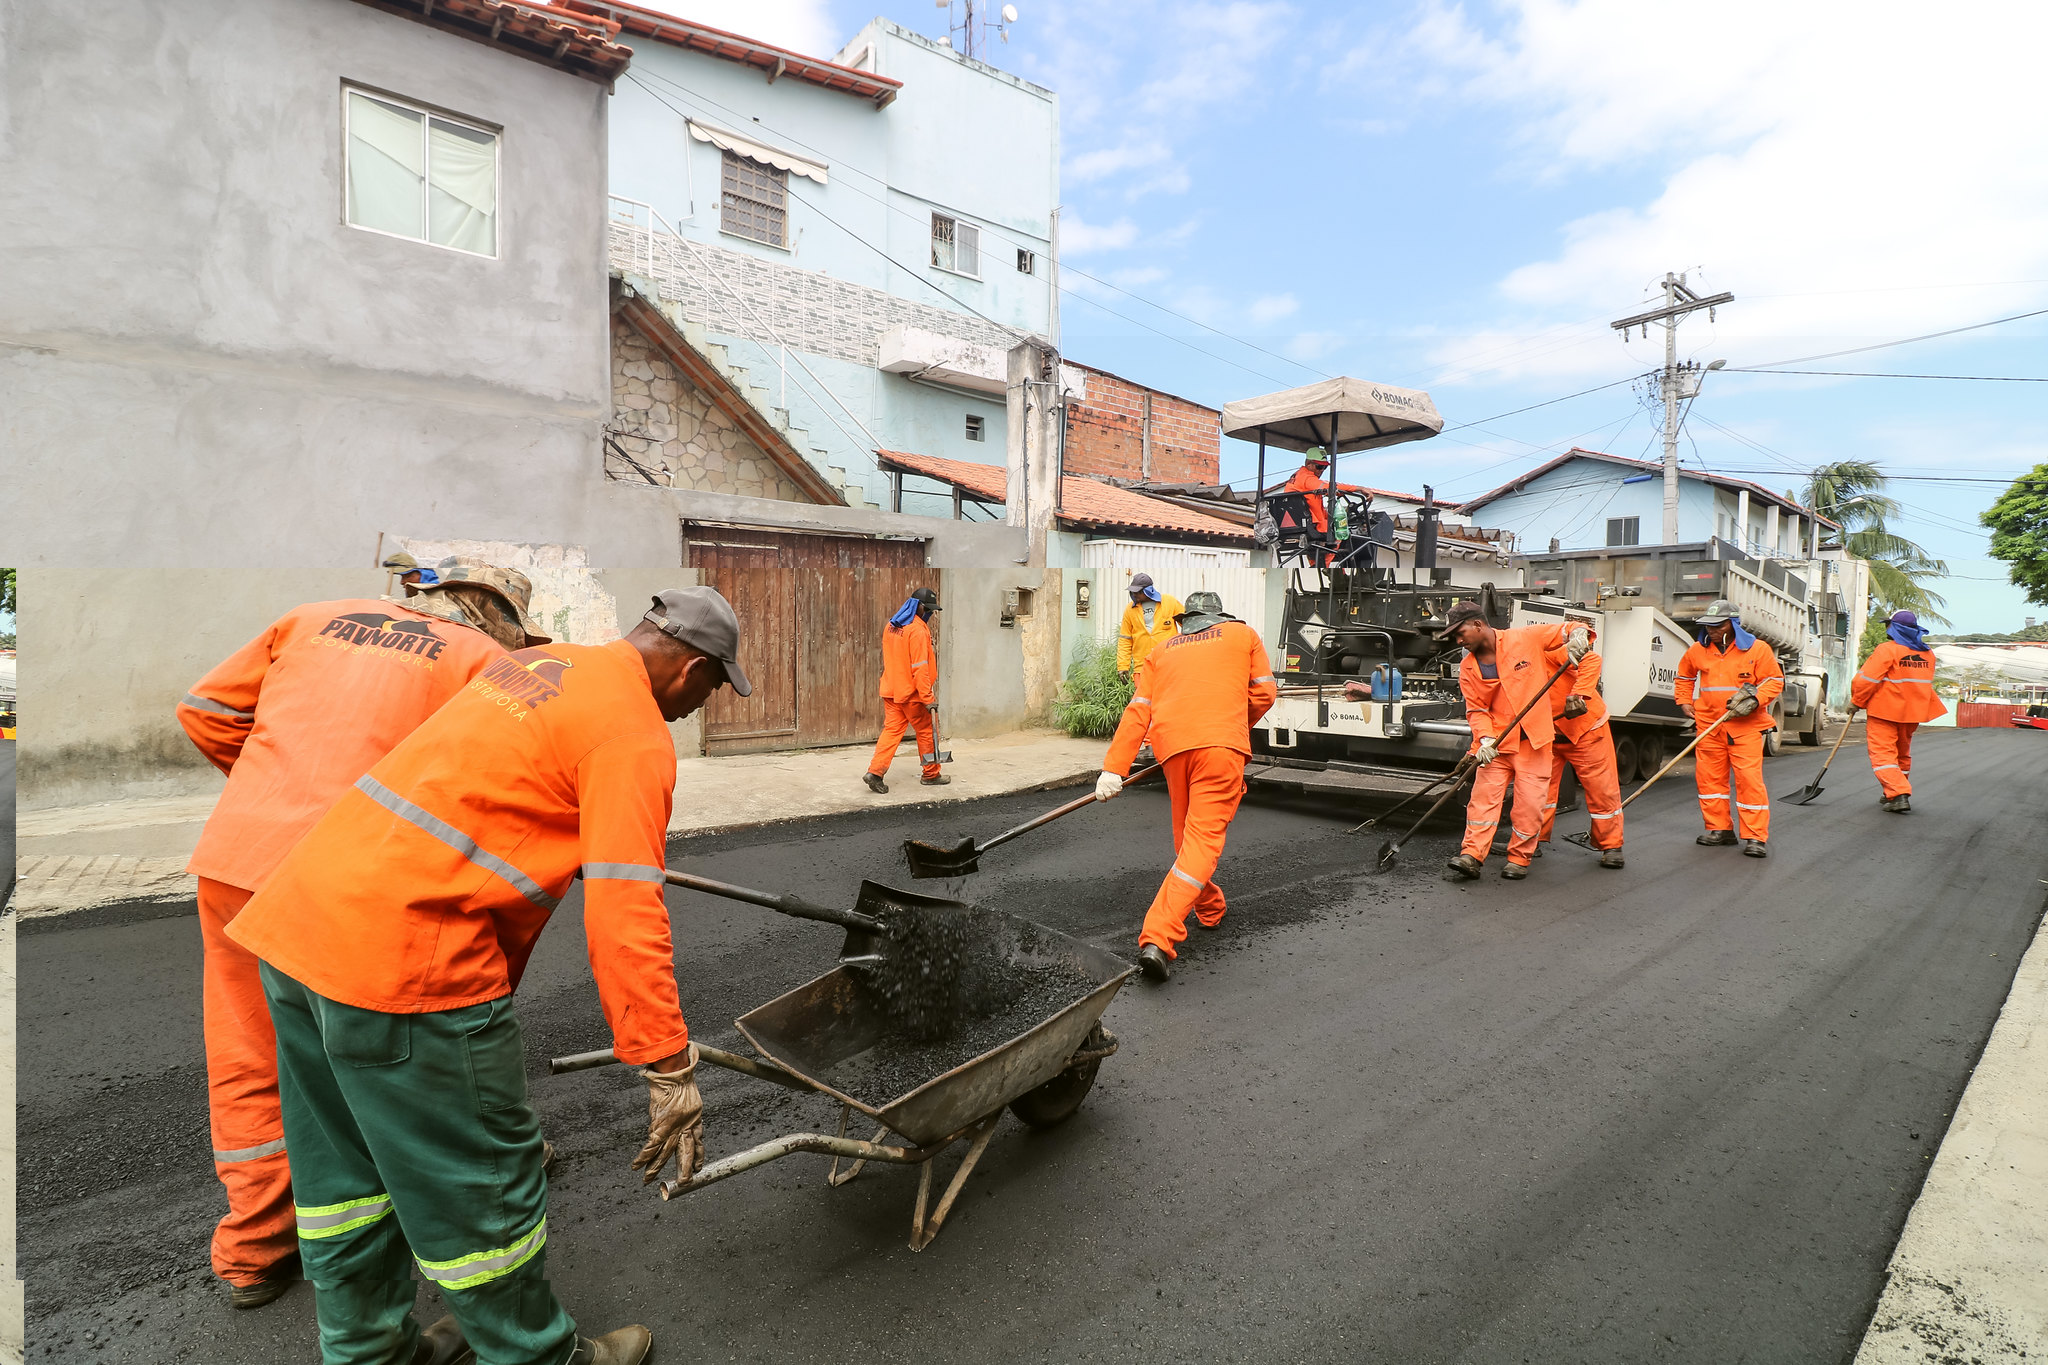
<point x="1093" y="697"/>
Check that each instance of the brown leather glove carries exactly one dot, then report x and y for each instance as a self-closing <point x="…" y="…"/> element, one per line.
<point x="1744" y="701"/>
<point x="1574" y="707"/>
<point x="675" y="1122"/>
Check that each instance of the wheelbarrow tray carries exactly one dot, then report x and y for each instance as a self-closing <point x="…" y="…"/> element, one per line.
<point x="822" y="1024"/>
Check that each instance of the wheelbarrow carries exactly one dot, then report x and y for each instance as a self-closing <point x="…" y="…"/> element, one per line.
<point x="1041" y="1075"/>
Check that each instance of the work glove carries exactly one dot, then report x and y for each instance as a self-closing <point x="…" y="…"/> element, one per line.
<point x="1489" y="750"/>
<point x="1108" y="785"/>
<point x="1744" y="701"/>
<point x="1574" y="706"/>
<point x="1357" y="691"/>
<point x="1577" y="644"/>
<point x="675" y="1122"/>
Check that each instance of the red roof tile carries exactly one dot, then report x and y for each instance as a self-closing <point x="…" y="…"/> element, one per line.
<point x="1083" y="502"/>
<point x="552" y="34"/>
<point x="776" y="61"/>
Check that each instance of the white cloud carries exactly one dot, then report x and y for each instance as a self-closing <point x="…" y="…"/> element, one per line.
<point x="1311" y="346"/>
<point x="1108" y="161"/>
<point x="1078" y="238"/>
<point x="1825" y="161"/>
<point x="801" y="25"/>
<point x="1272" y="307"/>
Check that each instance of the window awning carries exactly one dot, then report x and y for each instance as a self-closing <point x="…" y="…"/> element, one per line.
<point x="758" y="151"/>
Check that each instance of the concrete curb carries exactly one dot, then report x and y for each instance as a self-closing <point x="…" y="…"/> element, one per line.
<point x="1969" y="1278"/>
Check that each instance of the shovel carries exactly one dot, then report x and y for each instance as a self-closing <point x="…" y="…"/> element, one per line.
<point x="864" y="933"/>
<point x="1464" y="765"/>
<point x="1806" y="794"/>
<point x="958" y="860"/>
<point x="1584" y="839"/>
<point x="1391" y="849"/>
<point x="944" y="755"/>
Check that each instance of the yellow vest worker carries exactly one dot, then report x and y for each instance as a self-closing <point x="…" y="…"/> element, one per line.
<point x="1147" y="623"/>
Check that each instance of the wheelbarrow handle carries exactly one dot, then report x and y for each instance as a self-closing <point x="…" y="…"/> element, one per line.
<point x="731" y="1061"/>
<point x="783" y="904"/>
<point x="1058" y="811"/>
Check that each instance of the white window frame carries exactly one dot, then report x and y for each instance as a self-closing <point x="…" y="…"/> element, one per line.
<point x="428" y="112"/>
<point x="958" y="222"/>
<point x="1623" y="524"/>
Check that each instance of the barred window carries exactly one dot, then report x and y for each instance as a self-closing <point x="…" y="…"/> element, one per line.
<point x="755" y="201"/>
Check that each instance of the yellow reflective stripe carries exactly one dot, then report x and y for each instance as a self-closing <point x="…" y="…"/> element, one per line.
<point x="466" y="1272"/>
<point x="331" y="1220"/>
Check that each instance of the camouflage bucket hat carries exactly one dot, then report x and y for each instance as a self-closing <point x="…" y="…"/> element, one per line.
<point x="470" y="588"/>
<point x="1202" y="610"/>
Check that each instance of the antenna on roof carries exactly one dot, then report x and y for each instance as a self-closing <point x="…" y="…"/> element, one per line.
<point x="969" y="33"/>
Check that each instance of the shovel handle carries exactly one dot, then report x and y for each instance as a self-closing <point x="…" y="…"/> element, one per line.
<point x="1057" y="812"/>
<point x="783" y="904"/>
<point x="1677" y="756"/>
<point x="1435" y="806"/>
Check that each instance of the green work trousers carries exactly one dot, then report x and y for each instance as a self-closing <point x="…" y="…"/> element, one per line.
<point x="412" y="1142"/>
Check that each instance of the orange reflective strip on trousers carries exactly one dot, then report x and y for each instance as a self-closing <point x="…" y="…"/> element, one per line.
<point x="241" y="1093"/>
<point x="1740" y="755"/>
<point x="1529" y="766"/>
<point x="1891" y="753"/>
<point x="1592" y="758"/>
<point x="1205" y="786"/>
<point x="900" y="716"/>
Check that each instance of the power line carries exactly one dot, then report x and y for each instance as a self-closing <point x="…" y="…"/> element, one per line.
<point x="1903" y="341"/>
<point x="1869" y="374"/>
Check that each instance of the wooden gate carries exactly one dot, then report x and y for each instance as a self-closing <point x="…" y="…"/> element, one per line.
<point x="811" y="611"/>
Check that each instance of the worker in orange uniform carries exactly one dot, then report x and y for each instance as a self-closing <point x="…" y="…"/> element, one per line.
<point x="1311" y="479"/>
<point x="1147" y="623"/>
<point x="1585" y="741"/>
<point x="1503" y="671"/>
<point x="910" y="678"/>
<point x="392" y="938"/>
<point x="1895" y="687"/>
<point x="1200" y="694"/>
<point x="1730" y="671"/>
<point x="292" y="718"/>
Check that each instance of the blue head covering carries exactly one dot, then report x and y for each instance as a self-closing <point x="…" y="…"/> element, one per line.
<point x="1142" y="584"/>
<point x="1743" y="639"/>
<point x="427" y="579"/>
<point x="1904" y="628"/>
<point x="906" y="612"/>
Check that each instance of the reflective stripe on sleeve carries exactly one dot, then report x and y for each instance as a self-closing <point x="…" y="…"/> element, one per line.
<point x="1264" y="677"/>
<point x="1736" y="688"/>
<point x="331" y="1220"/>
<point x="624" y="872"/>
<point x="455" y="839"/>
<point x="261" y="1149"/>
<point x="199" y="703"/>
<point x="1911" y="682"/>
<point x="1138" y="701"/>
<point x="467" y="1272"/>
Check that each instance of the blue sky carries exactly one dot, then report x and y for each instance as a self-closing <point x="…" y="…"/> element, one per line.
<point x="1459" y="198"/>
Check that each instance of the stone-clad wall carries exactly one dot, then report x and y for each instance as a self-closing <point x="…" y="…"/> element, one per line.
<point x="667" y="424"/>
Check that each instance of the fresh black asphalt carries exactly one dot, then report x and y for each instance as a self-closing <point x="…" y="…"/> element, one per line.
<point x="1677" y="1112"/>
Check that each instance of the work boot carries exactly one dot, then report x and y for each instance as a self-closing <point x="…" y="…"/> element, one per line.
<point x="1755" y="848"/>
<point x="1538" y="853"/>
<point x="270" y="1288"/>
<point x="627" y="1346"/>
<point x="1611" y="858"/>
<point x="1152" y="962"/>
<point x="443" y="1344"/>
<point x="1513" y="871"/>
<point x="1714" y="838"/>
<point x="1463" y="868"/>
<point x="874" y="781"/>
<point x="940" y="781"/>
<point x="1896" y="805"/>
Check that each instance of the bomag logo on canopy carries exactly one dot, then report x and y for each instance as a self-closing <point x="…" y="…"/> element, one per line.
<point x="370" y="630"/>
<point x="521" y="681"/>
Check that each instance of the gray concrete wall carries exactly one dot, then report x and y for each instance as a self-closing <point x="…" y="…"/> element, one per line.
<point x="108" y="652"/>
<point x="994" y="679"/>
<point x="190" y="330"/>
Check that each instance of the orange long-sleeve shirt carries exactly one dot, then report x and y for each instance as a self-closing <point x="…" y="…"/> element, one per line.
<point x="427" y="884"/>
<point x="1199" y="691"/>
<point x="910" y="668"/>
<point x="306" y="708"/>
<point x="1521" y="665"/>
<point x="1581" y="679"/>
<point x="1306" y="480"/>
<point x="1897" y="684"/>
<point x="1709" y="677"/>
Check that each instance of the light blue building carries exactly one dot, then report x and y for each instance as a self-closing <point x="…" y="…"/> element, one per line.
<point x="866" y="238"/>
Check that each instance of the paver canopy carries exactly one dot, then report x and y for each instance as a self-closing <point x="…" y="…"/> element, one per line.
<point x="1340" y="415"/>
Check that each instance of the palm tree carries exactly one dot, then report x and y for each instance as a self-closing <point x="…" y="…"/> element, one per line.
<point x="1850" y="493"/>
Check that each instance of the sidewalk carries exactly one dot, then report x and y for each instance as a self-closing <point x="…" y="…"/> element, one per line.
<point x="1969" y="1279"/>
<point x="81" y="857"/>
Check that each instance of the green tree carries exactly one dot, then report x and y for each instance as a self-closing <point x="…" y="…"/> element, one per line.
<point x="6" y="592"/>
<point x="2019" y="532"/>
<point x="1851" y="494"/>
<point x="1873" y="636"/>
<point x="1093" y="697"/>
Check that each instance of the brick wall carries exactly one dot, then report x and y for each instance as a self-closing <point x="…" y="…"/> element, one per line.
<point x="1105" y="434"/>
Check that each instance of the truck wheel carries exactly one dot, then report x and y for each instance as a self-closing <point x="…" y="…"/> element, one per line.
<point x="1811" y="738"/>
<point x="1650" y="752"/>
<point x="1772" y="741"/>
<point x="1627" y="754"/>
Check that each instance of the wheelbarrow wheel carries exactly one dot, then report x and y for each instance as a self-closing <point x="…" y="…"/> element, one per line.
<point x="1056" y="1100"/>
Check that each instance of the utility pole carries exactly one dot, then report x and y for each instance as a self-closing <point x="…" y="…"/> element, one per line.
<point x="1676" y="381"/>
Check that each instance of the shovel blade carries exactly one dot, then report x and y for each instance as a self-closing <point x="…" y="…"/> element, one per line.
<point x="1583" y="839"/>
<point x="928" y="860"/>
<point x="1804" y="796"/>
<point x="1387" y="856"/>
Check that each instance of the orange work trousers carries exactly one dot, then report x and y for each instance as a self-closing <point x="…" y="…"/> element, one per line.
<point x="261" y="1228"/>
<point x="1743" y="752"/>
<point x="1592" y="758"/>
<point x="1205" y="786"/>
<point x="1891" y="753"/>
<point x="1529" y="766"/>
<point x="911" y="715"/>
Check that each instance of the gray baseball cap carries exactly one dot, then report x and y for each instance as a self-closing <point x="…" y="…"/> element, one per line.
<point x="704" y="621"/>
<point x="1721" y="610"/>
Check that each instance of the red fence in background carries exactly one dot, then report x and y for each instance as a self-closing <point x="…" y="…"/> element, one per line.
<point x="1983" y="713"/>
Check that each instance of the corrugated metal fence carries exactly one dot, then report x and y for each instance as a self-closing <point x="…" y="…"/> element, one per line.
<point x="1178" y="570"/>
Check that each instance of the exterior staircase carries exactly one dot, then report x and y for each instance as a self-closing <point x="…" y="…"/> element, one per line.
<point x="850" y="489"/>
